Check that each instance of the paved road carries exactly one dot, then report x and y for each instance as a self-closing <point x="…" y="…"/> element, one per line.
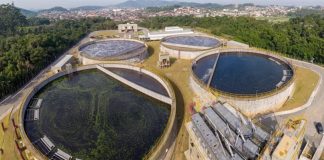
<point x="314" y="113"/>
<point x="12" y="103"/>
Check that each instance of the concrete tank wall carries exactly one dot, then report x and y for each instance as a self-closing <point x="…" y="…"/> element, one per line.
<point x="252" y="107"/>
<point x="186" y="46"/>
<point x="248" y="105"/>
<point x="181" y="54"/>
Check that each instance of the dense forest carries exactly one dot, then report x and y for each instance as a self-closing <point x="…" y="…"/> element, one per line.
<point x="29" y="45"/>
<point x="300" y="37"/>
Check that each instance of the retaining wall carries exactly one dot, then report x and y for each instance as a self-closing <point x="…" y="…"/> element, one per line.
<point x="137" y="87"/>
<point x="116" y="65"/>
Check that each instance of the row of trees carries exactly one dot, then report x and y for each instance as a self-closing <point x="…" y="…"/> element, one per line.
<point x="10" y="19"/>
<point x="29" y="45"/>
<point x="300" y="37"/>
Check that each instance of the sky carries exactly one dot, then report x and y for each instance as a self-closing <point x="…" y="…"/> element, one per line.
<point x="43" y="4"/>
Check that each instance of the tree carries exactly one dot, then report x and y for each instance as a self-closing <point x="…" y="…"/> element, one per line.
<point x="10" y="19"/>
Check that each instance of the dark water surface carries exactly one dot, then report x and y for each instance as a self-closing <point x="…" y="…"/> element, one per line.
<point x="141" y="79"/>
<point x="92" y="116"/>
<point x="241" y="73"/>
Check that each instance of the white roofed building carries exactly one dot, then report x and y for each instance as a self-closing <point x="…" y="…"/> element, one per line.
<point x="168" y="31"/>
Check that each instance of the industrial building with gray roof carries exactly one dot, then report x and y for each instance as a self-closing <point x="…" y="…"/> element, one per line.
<point x="225" y="134"/>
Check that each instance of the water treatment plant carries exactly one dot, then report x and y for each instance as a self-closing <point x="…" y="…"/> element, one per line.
<point x="110" y="99"/>
<point x="106" y="50"/>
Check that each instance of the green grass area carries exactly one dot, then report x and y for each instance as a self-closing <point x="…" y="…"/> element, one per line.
<point x="305" y="83"/>
<point x="178" y="75"/>
<point x="7" y="141"/>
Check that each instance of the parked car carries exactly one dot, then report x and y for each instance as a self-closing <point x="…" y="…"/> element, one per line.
<point x="319" y="128"/>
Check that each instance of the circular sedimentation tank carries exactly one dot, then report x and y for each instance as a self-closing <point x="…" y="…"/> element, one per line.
<point x="246" y="78"/>
<point x="112" y="50"/>
<point x="243" y="73"/>
<point x="188" y="46"/>
<point x="90" y="115"/>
